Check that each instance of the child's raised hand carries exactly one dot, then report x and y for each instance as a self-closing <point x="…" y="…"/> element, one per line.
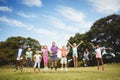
<point x="81" y="41"/>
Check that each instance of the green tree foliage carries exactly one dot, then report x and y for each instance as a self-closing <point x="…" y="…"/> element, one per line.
<point x="104" y="31"/>
<point x="9" y="47"/>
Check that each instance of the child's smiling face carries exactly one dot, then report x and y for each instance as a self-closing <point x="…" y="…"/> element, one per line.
<point x="53" y="43"/>
<point x="63" y="47"/>
<point x="74" y="44"/>
<point x="37" y="52"/>
<point x="45" y="47"/>
<point x="29" y="49"/>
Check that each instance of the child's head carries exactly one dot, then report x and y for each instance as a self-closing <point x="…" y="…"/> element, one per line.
<point x="21" y="46"/>
<point x="86" y="49"/>
<point x="29" y="49"/>
<point x="45" y="46"/>
<point x="97" y="45"/>
<point x="53" y="43"/>
<point x="74" y="44"/>
<point x="37" y="51"/>
<point x="63" y="47"/>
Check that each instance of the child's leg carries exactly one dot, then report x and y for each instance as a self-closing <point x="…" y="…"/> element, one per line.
<point x="52" y="64"/>
<point x="20" y="62"/>
<point x="65" y="62"/>
<point x="98" y="63"/>
<point x="35" y="64"/>
<point x="16" y="65"/>
<point x="38" y="67"/>
<point x="74" y="61"/>
<point x="61" y="67"/>
<point x="102" y="63"/>
<point x="55" y="64"/>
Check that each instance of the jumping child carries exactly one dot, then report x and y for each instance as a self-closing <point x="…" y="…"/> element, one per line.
<point x="45" y="56"/>
<point x="64" y="52"/>
<point x="75" y="54"/>
<point x="54" y="51"/>
<point x="98" y="51"/>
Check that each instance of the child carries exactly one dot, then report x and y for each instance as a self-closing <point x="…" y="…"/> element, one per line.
<point x="64" y="52"/>
<point x="86" y="57"/>
<point x="54" y="51"/>
<point x="19" y="58"/>
<point x="45" y="57"/>
<point x="28" y="58"/>
<point x="99" y="55"/>
<point x="37" y="60"/>
<point x="75" y="54"/>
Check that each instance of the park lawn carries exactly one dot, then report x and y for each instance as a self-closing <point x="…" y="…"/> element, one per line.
<point x="111" y="72"/>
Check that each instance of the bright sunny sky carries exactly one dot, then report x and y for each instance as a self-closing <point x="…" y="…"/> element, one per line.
<point x="52" y="20"/>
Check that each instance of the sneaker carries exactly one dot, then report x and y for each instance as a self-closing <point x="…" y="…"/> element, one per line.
<point x="61" y="69"/>
<point x="44" y="69"/>
<point x="66" y="69"/>
<point x="97" y="68"/>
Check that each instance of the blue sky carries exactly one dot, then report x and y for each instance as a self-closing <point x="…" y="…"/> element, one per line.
<point x="52" y="20"/>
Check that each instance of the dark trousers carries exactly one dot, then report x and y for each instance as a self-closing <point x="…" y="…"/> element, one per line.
<point x="19" y="64"/>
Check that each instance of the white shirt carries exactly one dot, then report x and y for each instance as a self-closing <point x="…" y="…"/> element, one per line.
<point x="98" y="50"/>
<point x="37" y="57"/>
<point x="19" y="54"/>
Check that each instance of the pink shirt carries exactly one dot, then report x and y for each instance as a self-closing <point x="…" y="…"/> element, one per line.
<point x="45" y="52"/>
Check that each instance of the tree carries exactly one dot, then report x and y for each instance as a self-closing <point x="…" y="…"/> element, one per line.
<point x="105" y="31"/>
<point x="8" y="48"/>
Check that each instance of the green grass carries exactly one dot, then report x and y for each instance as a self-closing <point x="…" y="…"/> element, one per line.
<point x="111" y="72"/>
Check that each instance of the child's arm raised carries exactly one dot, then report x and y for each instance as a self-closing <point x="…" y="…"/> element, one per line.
<point x="80" y="43"/>
<point x="92" y="45"/>
<point x="70" y="44"/>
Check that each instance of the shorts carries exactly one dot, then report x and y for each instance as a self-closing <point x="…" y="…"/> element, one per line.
<point x="63" y="60"/>
<point x="75" y="55"/>
<point x="98" y="55"/>
<point x="85" y="59"/>
<point x="54" y="57"/>
<point x="45" y="59"/>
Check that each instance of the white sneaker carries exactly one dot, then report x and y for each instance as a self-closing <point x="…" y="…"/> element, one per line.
<point x="61" y="69"/>
<point x="66" y="69"/>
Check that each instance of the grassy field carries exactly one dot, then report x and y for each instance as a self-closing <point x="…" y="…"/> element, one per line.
<point x="111" y="72"/>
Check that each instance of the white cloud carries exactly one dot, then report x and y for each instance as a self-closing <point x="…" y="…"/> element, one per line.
<point x="76" y="18"/>
<point x="71" y="14"/>
<point x="58" y="23"/>
<point x="32" y="28"/>
<point x="106" y="6"/>
<point x="21" y="13"/>
<point x="44" y="35"/>
<point x="15" y="23"/>
<point x="5" y="9"/>
<point x="31" y="3"/>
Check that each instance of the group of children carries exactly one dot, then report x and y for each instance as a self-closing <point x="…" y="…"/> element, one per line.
<point x="53" y="53"/>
